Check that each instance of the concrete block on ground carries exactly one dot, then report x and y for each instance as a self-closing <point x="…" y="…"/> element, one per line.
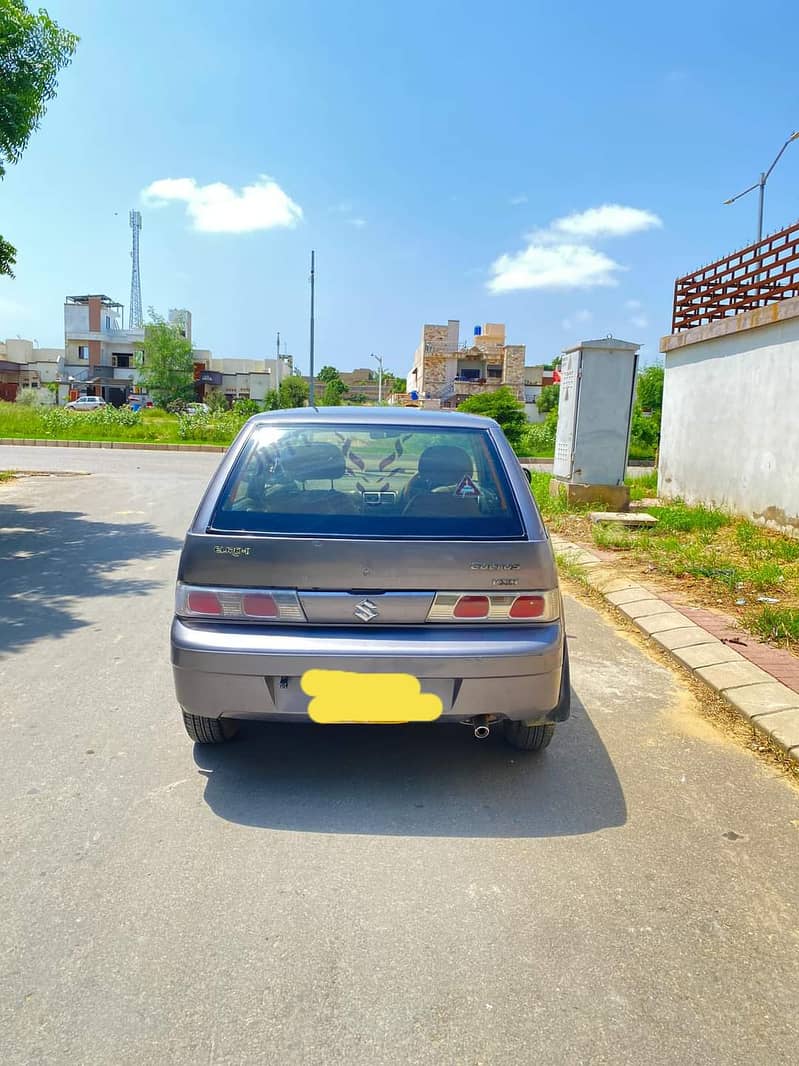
<point x="628" y="595"/>
<point x="732" y="675"/>
<point x="645" y="608"/>
<point x="688" y="636"/>
<point x="618" y="584"/>
<point x="660" y="623"/>
<point x="783" y="727"/>
<point x="631" y="519"/>
<point x="704" y="653"/>
<point x="763" y="700"/>
<point x="615" y="496"/>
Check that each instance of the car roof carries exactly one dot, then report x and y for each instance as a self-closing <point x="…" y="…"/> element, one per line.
<point x="393" y="416"/>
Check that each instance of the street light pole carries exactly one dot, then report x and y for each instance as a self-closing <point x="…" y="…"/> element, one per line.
<point x="310" y="380"/>
<point x="761" y="185"/>
<point x="379" y="360"/>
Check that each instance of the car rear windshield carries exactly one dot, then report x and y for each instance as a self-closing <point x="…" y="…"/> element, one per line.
<point x="345" y="480"/>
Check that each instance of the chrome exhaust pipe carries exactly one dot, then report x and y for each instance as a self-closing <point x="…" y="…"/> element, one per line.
<point x="482" y="728"/>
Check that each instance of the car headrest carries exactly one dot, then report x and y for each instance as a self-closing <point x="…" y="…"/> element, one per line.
<point x="313" y="462"/>
<point x="444" y="464"/>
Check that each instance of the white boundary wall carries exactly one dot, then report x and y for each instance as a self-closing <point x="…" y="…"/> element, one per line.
<point x="730" y="434"/>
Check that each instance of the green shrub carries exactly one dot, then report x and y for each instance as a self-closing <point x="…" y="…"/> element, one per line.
<point x="539" y="438"/>
<point x="504" y="408"/>
<point x="245" y="408"/>
<point x="212" y="427"/>
<point x="84" y="425"/>
<point x="27" y="397"/>
<point x="217" y="401"/>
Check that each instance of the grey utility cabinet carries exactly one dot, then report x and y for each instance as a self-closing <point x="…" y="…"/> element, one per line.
<point x="597" y="389"/>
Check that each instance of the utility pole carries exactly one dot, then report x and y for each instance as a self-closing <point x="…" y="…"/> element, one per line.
<point x="278" y="344"/>
<point x="379" y="360"/>
<point x="761" y="186"/>
<point x="311" y="378"/>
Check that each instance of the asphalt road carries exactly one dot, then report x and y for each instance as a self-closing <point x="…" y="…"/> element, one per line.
<point x="356" y="896"/>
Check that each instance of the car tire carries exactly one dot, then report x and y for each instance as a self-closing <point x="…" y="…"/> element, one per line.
<point x="537" y="737"/>
<point x="208" y="730"/>
<point x="528" y="737"/>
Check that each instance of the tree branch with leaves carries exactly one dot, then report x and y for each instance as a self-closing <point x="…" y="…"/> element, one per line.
<point x="33" y="49"/>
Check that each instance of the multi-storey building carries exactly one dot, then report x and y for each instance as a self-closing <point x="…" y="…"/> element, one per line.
<point x="445" y="370"/>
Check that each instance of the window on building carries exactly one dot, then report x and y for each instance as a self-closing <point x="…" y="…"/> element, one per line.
<point x="83" y="351"/>
<point x="108" y="322"/>
<point x="495" y="372"/>
<point x="468" y="374"/>
<point x="121" y="360"/>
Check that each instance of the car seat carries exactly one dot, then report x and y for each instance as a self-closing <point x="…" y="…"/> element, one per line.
<point x="431" y="491"/>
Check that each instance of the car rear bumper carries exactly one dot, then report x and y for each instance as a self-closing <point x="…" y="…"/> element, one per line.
<point x="245" y="672"/>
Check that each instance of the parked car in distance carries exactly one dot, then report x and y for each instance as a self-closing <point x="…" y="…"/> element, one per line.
<point x="87" y="403"/>
<point x="197" y="408"/>
<point x="351" y="565"/>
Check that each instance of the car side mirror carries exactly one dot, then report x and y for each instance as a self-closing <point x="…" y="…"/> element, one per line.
<point x="528" y="475"/>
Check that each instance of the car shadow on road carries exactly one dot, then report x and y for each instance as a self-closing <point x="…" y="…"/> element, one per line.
<point x="413" y="781"/>
<point x="50" y="561"/>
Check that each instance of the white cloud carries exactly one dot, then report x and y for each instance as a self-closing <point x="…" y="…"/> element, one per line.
<point x="639" y="321"/>
<point x="515" y="201"/>
<point x="609" y="220"/>
<point x="557" y="266"/>
<point x="560" y="256"/>
<point x="217" y="208"/>
<point x="359" y="222"/>
<point x="633" y="305"/>
<point x="579" y="318"/>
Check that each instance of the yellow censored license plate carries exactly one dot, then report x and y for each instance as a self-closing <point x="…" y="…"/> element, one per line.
<point x="374" y="699"/>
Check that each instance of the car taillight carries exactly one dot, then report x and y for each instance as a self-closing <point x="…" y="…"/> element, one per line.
<point x="472" y="607"/>
<point x="257" y="605"/>
<point x="203" y="603"/>
<point x="238" y="605"/>
<point x="528" y="607"/>
<point x="495" y="607"/>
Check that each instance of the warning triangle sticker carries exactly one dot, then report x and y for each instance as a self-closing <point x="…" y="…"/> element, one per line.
<point x="467" y="488"/>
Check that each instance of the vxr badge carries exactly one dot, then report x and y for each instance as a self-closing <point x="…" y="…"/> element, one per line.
<point x="366" y="611"/>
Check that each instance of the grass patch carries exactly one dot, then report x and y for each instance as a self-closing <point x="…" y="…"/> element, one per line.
<point x="569" y="567"/>
<point x="5" y="475"/>
<point x="779" y="625"/>
<point x="613" y="536"/>
<point x="152" y="426"/>
<point x="644" y="486"/>
<point x="717" y="559"/>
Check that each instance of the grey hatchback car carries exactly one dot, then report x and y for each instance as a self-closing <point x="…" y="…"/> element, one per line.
<point x="380" y="565"/>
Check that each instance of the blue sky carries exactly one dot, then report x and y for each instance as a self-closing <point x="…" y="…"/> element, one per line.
<point x="445" y="160"/>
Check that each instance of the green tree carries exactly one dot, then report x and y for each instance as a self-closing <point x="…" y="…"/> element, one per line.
<point x="335" y="389"/>
<point x="548" y="399"/>
<point x="649" y="391"/>
<point x="504" y="408"/>
<point x="334" y="393"/>
<point x="167" y="365"/>
<point x="272" y="400"/>
<point x="293" y="392"/>
<point x="647" y="412"/>
<point x="33" y="48"/>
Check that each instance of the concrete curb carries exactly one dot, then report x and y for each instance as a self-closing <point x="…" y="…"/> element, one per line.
<point x="756" y="694"/>
<point x="128" y="445"/>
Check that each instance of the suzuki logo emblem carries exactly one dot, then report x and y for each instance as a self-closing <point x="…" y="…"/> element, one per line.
<point x="366" y="611"/>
